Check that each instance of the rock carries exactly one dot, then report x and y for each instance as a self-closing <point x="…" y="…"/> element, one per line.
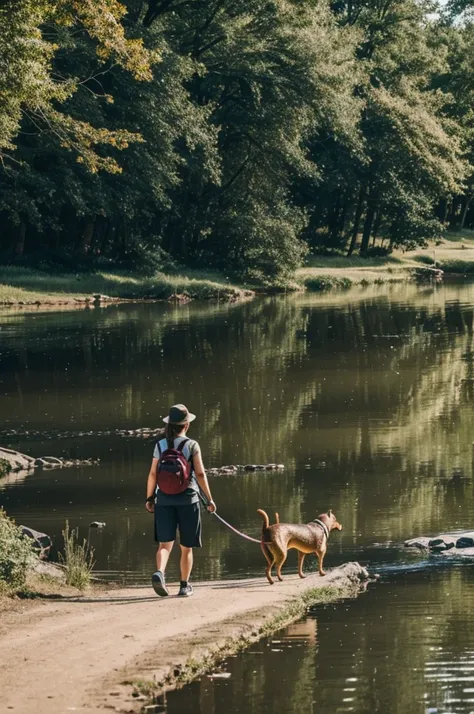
<point x="250" y="467"/>
<point x="465" y="541"/>
<point x="181" y="298"/>
<point x="420" y="542"/>
<point x="52" y="570"/>
<point x="42" y="542"/>
<point x="16" y="460"/>
<point x="97" y="524"/>
<point x="442" y="542"/>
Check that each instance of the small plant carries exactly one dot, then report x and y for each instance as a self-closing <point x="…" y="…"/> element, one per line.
<point x="78" y="559"/>
<point x="5" y="467"/>
<point x="16" y="554"/>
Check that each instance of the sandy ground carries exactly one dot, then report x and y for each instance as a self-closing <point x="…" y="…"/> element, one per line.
<point x="75" y="654"/>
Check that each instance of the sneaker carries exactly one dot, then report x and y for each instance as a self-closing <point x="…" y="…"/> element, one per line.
<point x="158" y="583"/>
<point x="185" y="590"/>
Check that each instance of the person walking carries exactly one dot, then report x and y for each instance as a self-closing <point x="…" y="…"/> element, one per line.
<point x="176" y="475"/>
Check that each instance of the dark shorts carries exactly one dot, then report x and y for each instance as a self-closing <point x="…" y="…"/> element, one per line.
<point x="186" y="519"/>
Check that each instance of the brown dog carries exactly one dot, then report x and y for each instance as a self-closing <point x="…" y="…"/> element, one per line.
<point x="309" y="538"/>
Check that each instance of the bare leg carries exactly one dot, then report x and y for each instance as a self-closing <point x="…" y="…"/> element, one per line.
<point x="301" y="557"/>
<point x="186" y="562"/>
<point x="163" y="554"/>
<point x="270" y="560"/>
<point x="320" y="555"/>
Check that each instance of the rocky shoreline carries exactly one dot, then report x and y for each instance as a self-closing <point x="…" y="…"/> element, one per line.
<point x="14" y="462"/>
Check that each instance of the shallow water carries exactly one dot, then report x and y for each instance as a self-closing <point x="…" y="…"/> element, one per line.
<point x="365" y="396"/>
<point x="404" y="647"/>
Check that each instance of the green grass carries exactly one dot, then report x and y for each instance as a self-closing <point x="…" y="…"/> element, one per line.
<point x="459" y="236"/>
<point x="354" y="261"/>
<point x="30" y="286"/>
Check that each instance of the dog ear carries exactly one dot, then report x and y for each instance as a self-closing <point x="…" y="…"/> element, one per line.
<point x="330" y="513"/>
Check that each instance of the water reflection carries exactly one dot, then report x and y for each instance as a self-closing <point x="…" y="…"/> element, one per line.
<point x="403" y="647"/>
<point x="366" y="397"/>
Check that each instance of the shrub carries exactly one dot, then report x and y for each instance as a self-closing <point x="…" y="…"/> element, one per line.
<point x="5" y="467"/>
<point x="426" y="259"/>
<point x="16" y="554"/>
<point x="322" y="283"/>
<point x="78" y="559"/>
<point x="462" y="267"/>
<point x="377" y="251"/>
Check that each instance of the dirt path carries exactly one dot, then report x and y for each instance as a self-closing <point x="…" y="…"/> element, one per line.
<point x="75" y="654"/>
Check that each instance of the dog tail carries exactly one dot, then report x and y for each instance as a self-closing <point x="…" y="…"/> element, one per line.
<point x="277" y="518"/>
<point x="266" y="521"/>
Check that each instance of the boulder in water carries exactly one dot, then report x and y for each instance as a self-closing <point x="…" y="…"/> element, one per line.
<point x="421" y="542"/>
<point x="442" y="542"/>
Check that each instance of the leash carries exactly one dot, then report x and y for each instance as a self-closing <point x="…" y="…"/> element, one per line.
<point x="239" y="533"/>
<point x="242" y="535"/>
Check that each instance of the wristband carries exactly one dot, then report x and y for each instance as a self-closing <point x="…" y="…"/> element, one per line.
<point x="150" y="499"/>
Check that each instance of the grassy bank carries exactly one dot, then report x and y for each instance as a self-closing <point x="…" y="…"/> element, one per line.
<point x="24" y="286"/>
<point x="453" y="255"/>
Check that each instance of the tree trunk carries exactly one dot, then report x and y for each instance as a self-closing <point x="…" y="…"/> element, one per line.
<point x="465" y="209"/>
<point x="342" y="216"/>
<point x="452" y="216"/>
<point x="369" y="220"/>
<point x="20" y="243"/>
<point x="357" y="217"/>
<point x="376" y="228"/>
<point x="334" y="219"/>
<point x="87" y="236"/>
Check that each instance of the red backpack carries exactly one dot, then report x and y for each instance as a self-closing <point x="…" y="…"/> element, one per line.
<point x="174" y="471"/>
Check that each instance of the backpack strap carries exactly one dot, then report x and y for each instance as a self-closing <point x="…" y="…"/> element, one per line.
<point x="181" y="446"/>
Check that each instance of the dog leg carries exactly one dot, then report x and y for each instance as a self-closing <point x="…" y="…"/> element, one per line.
<point x="301" y="557"/>
<point x="320" y="555"/>
<point x="280" y="557"/>
<point x="269" y="557"/>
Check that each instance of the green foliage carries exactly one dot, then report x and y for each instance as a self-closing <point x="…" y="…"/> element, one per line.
<point x="5" y="467"/>
<point x="426" y="259"/>
<point x="16" y="554"/>
<point x="231" y="134"/>
<point x="462" y="267"/>
<point x="78" y="559"/>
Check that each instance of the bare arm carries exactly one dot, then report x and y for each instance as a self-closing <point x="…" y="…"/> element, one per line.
<point x="198" y="467"/>
<point x="151" y="485"/>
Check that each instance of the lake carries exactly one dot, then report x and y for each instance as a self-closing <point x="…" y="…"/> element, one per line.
<point x="366" y="397"/>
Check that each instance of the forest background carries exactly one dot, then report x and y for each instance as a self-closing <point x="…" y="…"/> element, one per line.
<point x="236" y="135"/>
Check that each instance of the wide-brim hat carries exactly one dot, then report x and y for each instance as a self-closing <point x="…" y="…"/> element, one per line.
<point x="179" y="414"/>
